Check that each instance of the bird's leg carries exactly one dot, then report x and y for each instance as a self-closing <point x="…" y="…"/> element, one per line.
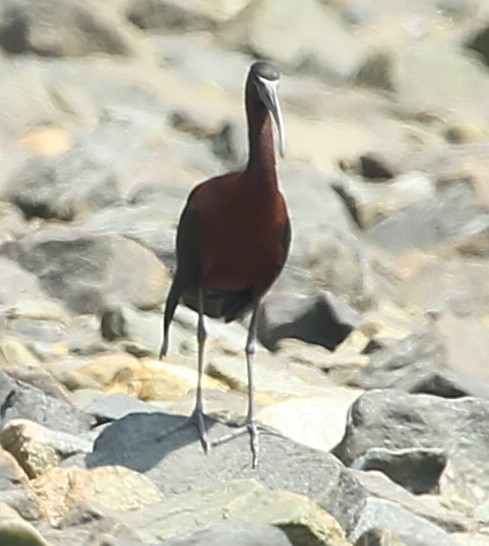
<point x="250" y="349"/>
<point x="250" y="425"/>
<point x="198" y="413"/>
<point x="197" y="416"/>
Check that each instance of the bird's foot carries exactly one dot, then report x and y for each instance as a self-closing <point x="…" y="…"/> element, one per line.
<point x="196" y="419"/>
<point x="254" y="429"/>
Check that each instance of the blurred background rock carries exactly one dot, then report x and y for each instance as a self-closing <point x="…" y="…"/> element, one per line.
<point x="110" y="112"/>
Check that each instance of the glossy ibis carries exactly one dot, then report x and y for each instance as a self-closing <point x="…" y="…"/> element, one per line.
<point x="233" y="239"/>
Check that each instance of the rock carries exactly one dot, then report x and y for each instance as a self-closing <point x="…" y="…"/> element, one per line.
<point x="466" y="346"/>
<point x="403" y="364"/>
<point x="148" y="379"/>
<point x="15" y="490"/>
<point x="15" y="531"/>
<point x="14" y="352"/>
<point x="399" y="420"/>
<point x="89" y="272"/>
<point x="103" y="368"/>
<point x="165" y="381"/>
<point x="369" y="203"/>
<point x="379" y="537"/>
<point x="416" y="363"/>
<point x="38" y="310"/>
<point x="178" y="466"/>
<point x="245" y="501"/>
<point x="416" y="469"/>
<point x="21" y="400"/>
<point x="171" y="15"/>
<point x="454" y="216"/>
<point x="58" y="28"/>
<point x="322" y="319"/>
<point x="454" y="285"/>
<point x="479" y="42"/>
<point x="238" y="534"/>
<point x="114" y="488"/>
<point x="128" y="323"/>
<point x="269" y="376"/>
<point x="265" y="29"/>
<point x="47" y="140"/>
<point x="41" y="379"/>
<point x="460" y="82"/>
<point x="471" y="539"/>
<point x="12" y="222"/>
<point x="317" y="422"/>
<point x="17" y="284"/>
<point x="47" y="332"/>
<point x="375" y="168"/>
<point x="37" y="448"/>
<point x="110" y="407"/>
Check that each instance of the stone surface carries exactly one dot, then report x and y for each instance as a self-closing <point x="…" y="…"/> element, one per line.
<point x="115" y="488"/>
<point x="88" y="273"/>
<point x="109" y="114"/>
<point x="61" y="28"/>
<point x="265" y="29"/>
<point x="245" y="501"/>
<point x="240" y="534"/>
<point x="17" y="532"/>
<point x="283" y="464"/>
<point x="417" y="469"/>
<point x="321" y="319"/>
<point x="398" y="420"/>
<point x="21" y="400"/>
<point x="36" y="448"/>
<point x="318" y="422"/>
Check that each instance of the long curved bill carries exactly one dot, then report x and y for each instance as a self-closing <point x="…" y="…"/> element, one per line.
<point x="270" y="98"/>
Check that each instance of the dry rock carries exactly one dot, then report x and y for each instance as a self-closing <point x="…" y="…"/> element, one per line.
<point x="114" y="488"/>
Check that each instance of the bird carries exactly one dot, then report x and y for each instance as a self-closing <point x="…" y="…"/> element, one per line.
<point x="232" y="242"/>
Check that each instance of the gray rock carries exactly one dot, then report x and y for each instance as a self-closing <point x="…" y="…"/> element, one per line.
<point x="140" y="329"/>
<point x="412" y="529"/>
<point x="16" y="283"/>
<point x="89" y="272"/>
<point x="15" y="490"/>
<point x="226" y="533"/>
<point x="454" y="216"/>
<point x="37" y="448"/>
<point x="15" y="531"/>
<point x="368" y="203"/>
<point x="169" y="15"/>
<point x="21" y="400"/>
<point x="403" y="364"/>
<point x="178" y="465"/>
<point x="398" y="420"/>
<point x="62" y="27"/>
<point x="109" y="407"/>
<point x="325" y="254"/>
<point x="322" y="319"/>
<point x="416" y="469"/>
<point x="41" y="379"/>
<point x="459" y="80"/>
<point x="417" y="364"/>
<point x="379" y="537"/>
<point x="265" y="29"/>
<point x="82" y="179"/>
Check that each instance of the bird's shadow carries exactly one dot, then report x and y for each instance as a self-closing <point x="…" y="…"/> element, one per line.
<point x="138" y="440"/>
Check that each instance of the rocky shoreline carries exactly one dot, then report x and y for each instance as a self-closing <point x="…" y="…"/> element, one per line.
<point x="374" y="341"/>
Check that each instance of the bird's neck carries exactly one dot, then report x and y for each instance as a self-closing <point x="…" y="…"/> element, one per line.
<point x="261" y="161"/>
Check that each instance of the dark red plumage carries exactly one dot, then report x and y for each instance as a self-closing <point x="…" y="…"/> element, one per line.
<point x="233" y="235"/>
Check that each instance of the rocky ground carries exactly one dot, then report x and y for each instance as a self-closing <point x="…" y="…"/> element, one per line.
<point x="374" y="341"/>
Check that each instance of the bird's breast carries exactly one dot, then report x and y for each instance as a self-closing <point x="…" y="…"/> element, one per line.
<point x="248" y="251"/>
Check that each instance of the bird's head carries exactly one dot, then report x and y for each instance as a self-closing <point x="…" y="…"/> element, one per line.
<point x="265" y="77"/>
